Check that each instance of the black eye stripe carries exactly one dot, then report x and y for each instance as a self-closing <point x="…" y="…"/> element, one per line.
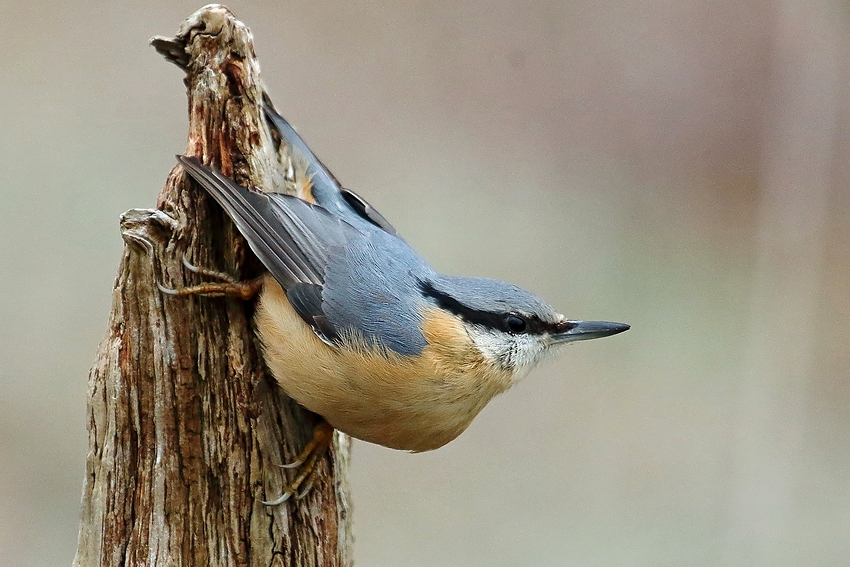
<point x="499" y="321"/>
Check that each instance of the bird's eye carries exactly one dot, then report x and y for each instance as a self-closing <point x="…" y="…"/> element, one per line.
<point x="515" y="324"/>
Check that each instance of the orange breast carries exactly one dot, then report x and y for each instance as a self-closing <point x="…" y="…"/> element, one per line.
<point x="415" y="403"/>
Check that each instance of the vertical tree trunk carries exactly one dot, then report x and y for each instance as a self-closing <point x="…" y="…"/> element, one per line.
<point x="186" y="429"/>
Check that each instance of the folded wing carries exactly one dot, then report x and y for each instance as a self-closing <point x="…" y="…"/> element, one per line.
<point x="294" y="240"/>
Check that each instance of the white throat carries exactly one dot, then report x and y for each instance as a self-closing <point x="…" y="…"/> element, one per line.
<point x="517" y="353"/>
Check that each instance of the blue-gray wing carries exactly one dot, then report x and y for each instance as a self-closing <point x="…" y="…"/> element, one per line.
<point x="294" y="240"/>
<point x="327" y="190"/>
<point x="339" y="278"/>
<point x="290" y="237"/>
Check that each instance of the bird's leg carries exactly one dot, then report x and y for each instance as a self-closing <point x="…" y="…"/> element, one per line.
<point x="306" y="463"/>
<point x="228" y="287"/>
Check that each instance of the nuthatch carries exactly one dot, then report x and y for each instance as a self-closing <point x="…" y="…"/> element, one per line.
<point x="358" y="328"/>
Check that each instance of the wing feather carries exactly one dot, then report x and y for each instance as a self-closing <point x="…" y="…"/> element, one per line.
<point x="290" y="237"/>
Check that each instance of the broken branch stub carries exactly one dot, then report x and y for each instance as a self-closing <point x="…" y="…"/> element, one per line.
<point x="185" y="427"/>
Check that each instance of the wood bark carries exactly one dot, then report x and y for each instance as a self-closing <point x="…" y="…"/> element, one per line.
<point x="186" y="428"/>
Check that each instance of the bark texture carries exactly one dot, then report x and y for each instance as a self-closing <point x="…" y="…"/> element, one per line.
<point x="185" y="427"/>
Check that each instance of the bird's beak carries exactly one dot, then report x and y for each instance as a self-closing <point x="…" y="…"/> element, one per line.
<point x="583" y="330"/>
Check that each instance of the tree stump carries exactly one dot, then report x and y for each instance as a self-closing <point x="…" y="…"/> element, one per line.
<point x="186" y="428"/>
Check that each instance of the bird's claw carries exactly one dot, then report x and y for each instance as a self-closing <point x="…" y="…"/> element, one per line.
<point x="306" y="463"/>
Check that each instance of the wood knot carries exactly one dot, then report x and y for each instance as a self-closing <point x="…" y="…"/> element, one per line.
<point x="140" y="228"/>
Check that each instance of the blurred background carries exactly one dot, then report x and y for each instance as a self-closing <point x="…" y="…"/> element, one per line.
<point x="680" y="166"/>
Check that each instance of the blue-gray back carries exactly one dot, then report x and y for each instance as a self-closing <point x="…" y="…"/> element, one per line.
<point x="372" y="287"/>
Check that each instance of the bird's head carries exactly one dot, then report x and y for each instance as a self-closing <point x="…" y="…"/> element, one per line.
<point x="510" y="326"/>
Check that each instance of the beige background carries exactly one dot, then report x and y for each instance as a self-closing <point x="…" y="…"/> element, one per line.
<point x="680" y="166"/>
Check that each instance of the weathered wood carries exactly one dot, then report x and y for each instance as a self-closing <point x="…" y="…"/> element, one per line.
<point x="186" y="429"/>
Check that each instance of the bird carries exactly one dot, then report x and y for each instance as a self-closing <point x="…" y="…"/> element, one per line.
<point x="358" y="328"/>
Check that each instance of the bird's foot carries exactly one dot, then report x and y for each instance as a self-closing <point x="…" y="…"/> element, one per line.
<point x="305" y="463"/>
<point x="227" y="287"/>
